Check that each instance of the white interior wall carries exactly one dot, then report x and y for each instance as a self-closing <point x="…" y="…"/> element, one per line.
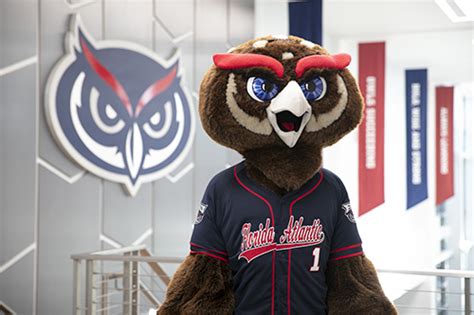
<point x="394" y="237"/>
<point x="271" y="17"/>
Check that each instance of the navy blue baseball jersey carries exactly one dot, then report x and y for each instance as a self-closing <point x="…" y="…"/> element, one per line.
<point x="277" y="247"/>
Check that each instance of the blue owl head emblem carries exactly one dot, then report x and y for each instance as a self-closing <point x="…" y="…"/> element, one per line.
<point x="346" y="207"/>
<point x="119" y="110"/>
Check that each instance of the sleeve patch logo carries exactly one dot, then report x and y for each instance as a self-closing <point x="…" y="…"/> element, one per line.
<point x="200" y="214"/>
<point x="346" y="207"/>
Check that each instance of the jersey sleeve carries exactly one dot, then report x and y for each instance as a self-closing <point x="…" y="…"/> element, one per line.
<point x="207" y="238"/>
<point x="346" y="241"/>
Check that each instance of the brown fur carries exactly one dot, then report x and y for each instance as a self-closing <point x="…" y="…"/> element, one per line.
<point x="203" y="285"/>
<point x="353" y="288"/>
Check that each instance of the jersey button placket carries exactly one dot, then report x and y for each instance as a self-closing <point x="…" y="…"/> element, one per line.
<point x="281" y="259"/>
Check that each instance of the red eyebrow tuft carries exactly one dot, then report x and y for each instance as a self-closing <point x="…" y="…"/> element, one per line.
<point x="339" y="61"/>
<point x="238" y="61"/>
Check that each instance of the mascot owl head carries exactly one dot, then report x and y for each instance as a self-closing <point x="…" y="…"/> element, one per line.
<point x="278" y="101"/>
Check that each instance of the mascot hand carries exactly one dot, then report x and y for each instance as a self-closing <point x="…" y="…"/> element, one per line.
<point x="201" y="285"/>
<point x="353" y="288"/>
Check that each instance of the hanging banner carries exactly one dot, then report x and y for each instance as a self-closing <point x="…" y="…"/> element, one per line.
<point x="444" y="144"/>
<point x="416" y="100"/>
<point x="371" y="130"/>
<point x="306" y="20"/>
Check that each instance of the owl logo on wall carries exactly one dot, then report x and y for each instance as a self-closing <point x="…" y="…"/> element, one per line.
<point x="119" y="110"/>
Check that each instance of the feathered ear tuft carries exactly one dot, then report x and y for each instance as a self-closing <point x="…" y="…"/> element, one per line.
<point x="77" y="35"/>
<point x="83" y="40"/>
<point x="174" y="67"/>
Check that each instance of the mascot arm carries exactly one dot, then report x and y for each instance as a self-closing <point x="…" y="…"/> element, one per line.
<point x="353" y="288"/>
<point x="201" y="285"/>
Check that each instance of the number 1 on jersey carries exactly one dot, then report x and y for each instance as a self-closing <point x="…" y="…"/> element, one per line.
<point x="315" y="266"/>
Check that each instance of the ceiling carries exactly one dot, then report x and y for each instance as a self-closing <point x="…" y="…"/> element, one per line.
<point x="360" y="17"/>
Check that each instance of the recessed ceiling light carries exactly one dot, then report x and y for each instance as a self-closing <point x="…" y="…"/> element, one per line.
<point x="457" y="10"/>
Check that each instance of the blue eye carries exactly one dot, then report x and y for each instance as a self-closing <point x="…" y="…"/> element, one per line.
<point x="314" y="89"/>
<point x="261" y="89"/>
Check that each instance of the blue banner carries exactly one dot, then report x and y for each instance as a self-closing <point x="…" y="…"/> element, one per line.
<point x="306" y="20"/>
<point x="416" y="82"/>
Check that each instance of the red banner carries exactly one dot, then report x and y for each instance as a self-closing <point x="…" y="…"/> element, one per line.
<point x="371" y="130"/>
<point x="444" y="144"/>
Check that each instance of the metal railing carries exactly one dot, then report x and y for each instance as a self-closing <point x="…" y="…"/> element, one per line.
<point x="460" y="292"/>
<point x="120" y="281"/>
<point x="130" y="281"/>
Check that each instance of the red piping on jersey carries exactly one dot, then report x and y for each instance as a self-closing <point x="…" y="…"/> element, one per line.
<point x="210" y="255"/>
<point x="347" y="256"/>
<point x="210" y="250"/>
<point x="256" y="195"/>
<point x="289" y="251"/>
<point x="345" y="248"/>
<point x="273" y="224"/>
<point x="288" y="302"/>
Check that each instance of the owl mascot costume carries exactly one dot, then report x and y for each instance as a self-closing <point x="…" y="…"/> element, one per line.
<point x="275" y="234"/>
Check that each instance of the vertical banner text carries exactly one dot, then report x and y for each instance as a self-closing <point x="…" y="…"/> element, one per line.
<point x="371" y="130"/>
<point x="444" y="144"/>
<point x="415" y="101"/>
